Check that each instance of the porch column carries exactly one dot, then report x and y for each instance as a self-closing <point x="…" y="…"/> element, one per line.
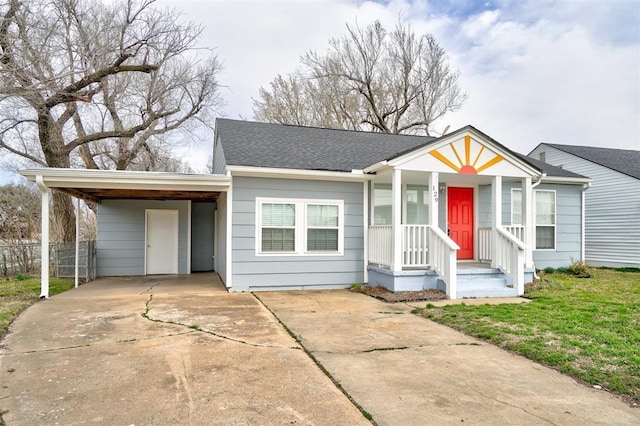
<point x="496" y="202"/>
<point x="396" y="218"/>
<point x="433" y="198"/>
<point x="44" y="238"/>
<point x="527" y="220"/>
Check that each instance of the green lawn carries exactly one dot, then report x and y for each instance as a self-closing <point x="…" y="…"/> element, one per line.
<point x="17" y="295"/>
<point x="588" y="328"/>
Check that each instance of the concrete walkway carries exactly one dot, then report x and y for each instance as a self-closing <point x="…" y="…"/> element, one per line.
<point x="202" y="357"/>
<point x="406" y="370"/>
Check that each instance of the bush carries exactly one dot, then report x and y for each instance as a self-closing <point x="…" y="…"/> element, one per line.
<point x="549" y="270"/>
<point x="580" y="269"/>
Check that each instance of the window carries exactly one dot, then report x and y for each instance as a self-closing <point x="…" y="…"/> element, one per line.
<point x="542" y="157"/>
<point x="278" y="227"/>
<point x="545" y="216"/>
<point x="545" y="202"/>
<point x="298" y="227"/>
<point x="322" y="227"/>
<point x="417" y="205"/>
<point x="382" y="204"/>
<point x="516" y="206"/>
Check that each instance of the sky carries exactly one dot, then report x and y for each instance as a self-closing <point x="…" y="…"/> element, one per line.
<point x="535" y="71"/>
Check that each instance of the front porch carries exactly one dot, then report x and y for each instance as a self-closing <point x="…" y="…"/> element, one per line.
<point x="428" y="260"/>
<point x="457" y="216"/>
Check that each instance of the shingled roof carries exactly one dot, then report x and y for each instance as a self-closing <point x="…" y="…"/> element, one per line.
<point x="247" y="143"/>
<point x="551" y="171"/>
<point x="625" y="161"/>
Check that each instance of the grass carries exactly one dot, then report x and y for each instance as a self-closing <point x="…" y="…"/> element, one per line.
<point x="586" y="328"/>
<point x="17" y="294"/>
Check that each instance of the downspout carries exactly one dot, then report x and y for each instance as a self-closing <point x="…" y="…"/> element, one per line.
<point x="533" y="186"/>
<point x="539" y="181"/>
<point x="582" y="222"/>
<point x="44" y="238"/>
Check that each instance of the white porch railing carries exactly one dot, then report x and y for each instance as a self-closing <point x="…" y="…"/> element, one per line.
<point x="484" y="244"/>
<point x="381" y="245"/>
<point x="443" y="258"/>
<point x="422" y="246"/>
<point x="415" y="245"/>
<point x="510" y="257"/>
<point x="515" y="230"/>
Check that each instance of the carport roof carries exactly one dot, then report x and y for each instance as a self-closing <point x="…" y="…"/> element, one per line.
<point x="98" y="185"/>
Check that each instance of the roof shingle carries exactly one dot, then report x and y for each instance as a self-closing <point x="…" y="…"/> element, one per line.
<point x="282" y="146"/>
<point x="625" y="161"/>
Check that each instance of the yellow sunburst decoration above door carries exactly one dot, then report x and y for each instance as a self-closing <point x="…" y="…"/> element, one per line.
<point x="474" y="153"/>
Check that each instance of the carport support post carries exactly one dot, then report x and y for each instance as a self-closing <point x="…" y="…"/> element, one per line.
<point x="44" y="238"/>
<point x="77" y="240"/>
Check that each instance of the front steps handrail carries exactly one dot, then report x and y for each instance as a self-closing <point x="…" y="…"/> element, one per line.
<point x="443" y="257"/>
<point x="510" y="254"/>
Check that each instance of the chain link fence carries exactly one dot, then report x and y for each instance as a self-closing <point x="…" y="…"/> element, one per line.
<point x="24" y="258"/>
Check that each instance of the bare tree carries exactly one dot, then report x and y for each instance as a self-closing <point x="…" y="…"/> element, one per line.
<point x="87" y="83"/>
<point x="369" y="79"/>
<point x="19" y="226"/>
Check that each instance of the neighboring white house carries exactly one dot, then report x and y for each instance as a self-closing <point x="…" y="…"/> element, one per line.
<point x="293" y="207"/>
<point x="612" y="218"/>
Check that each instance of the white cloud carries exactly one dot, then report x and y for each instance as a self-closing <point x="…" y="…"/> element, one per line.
<point x="544" y="70"/>
<point x="535" y="71"/>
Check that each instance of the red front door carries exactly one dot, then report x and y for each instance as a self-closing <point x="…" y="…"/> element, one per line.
<point x="460" y="208"/>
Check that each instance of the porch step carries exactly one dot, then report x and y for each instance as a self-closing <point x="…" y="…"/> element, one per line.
<point x="483" y="282"/>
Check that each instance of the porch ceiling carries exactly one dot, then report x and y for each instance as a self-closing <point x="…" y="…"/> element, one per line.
<point x="97" y="195"/>
<point x="97" y="185"/>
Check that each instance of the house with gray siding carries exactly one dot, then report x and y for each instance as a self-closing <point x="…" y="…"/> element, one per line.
<point x="293" y="208"/>
<point x="612" y="204"/>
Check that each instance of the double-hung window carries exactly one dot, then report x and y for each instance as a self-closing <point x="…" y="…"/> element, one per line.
<point x="516" y="206"/>
<point x="277" y="227"/>
<point x="545" y="202"/>
<point x="322" y="227"/>
<point x="545" y="216"/>
<point x="299" y="227"/>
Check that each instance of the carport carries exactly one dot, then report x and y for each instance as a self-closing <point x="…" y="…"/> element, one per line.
<point x="97" y="186"/>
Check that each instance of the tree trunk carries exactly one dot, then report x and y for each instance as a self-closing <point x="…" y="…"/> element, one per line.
<point x="64" y="217"/>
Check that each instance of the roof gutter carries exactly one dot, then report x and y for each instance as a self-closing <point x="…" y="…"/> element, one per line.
<point x="375" y="167"/>
<point x="561" y="179"/>
<point x="267" y="172"/>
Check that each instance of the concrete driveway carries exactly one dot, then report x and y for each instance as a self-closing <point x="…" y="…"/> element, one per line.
<point x="406" y="370"/>
<point x="202" y="357"/>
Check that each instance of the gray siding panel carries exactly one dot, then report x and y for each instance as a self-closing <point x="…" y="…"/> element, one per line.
<point x="202" y="236"/>
<point x="221" y="232"/>
<point x="612" y="210"/>
<point x="251" y="272"/>
<point x="121" y="235"/>
<point x="568" y="228"/>
<point x="568" y="217"/>
<point x="219" y="161"/>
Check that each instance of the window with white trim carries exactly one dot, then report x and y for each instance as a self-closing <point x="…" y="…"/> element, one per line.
<point x="278" y="226"/>
<point x="516" y="206"/>
<point x="545" y="216"/>
<point x="545" y="213"/>
<point x="299" y="227"/>
<point x="322" y="227"/>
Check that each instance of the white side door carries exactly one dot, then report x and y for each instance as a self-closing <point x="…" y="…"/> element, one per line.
<point x="161" y="254"/>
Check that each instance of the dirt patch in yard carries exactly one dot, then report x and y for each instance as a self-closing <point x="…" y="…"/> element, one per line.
<point x="401" y="296"/>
